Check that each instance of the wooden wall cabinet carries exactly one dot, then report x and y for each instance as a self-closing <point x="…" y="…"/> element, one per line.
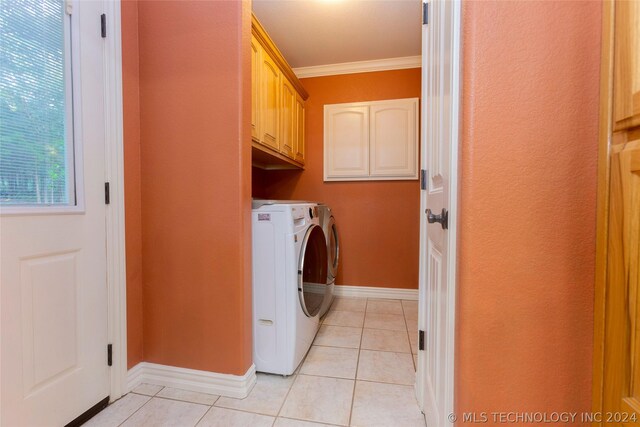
<point x="371" y="140"/>
<point x="277" y="106"/>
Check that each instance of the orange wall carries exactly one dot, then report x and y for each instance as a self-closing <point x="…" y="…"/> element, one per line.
<point x="377" y="221"/>
<point x="195" y="83"/>
<point x="132" y="196"/>
<point x="527" y="206"/>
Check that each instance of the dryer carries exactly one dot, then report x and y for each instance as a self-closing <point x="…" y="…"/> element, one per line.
<point x="289" y="282"/>
<point x="328" y="224"/>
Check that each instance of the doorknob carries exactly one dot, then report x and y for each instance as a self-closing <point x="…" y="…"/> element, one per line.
<point x="443" y="218"/>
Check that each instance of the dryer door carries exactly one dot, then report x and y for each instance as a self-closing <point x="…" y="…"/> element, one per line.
<point x="333" y="249"/>
<point x="312" y="271"/>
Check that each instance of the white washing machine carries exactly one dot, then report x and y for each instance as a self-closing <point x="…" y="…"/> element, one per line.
<point x="328" y="224"/>
<point x="289" y="282"/>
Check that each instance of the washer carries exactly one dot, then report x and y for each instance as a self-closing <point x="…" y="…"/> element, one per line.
<point x="289" y="282"/>
<point x="328" y="224"/>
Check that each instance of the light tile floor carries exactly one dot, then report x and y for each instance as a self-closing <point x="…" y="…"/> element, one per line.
<point x="360" y="371"/>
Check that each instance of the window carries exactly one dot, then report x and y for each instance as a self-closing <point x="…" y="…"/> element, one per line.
<point x="36" y="119"/>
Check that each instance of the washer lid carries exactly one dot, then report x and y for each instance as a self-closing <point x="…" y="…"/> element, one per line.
<point x="256" y="203"/>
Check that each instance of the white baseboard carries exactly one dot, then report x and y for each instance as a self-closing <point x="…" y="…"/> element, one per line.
<point x="193" y="380"/>
<point x="374" y="292"/>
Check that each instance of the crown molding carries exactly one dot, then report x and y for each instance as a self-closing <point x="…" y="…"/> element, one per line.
<point x="359" y="67"/>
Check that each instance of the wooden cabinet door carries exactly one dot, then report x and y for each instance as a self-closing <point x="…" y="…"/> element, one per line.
<point x="626" y="95"/>
<point x="393" y="146"/>
<point x="287" y="117"/>
<point x="622" y="320"/>
<point x="617" y="317"/>
<point x="299" y="136"/>
<point x="255" y="89"/>
<point x="346" y="142"/>
<point x="269" y="102"/>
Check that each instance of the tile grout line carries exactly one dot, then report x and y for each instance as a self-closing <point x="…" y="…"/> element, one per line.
<point x="185" y="401"/>
<point x="296" y="376"/>
<point x="242" y="411"/>
<point x="141" y="406"/>
<point x="203" y="415"/>
<point x="207" y="411"/>
<point x="355" y="380"/>
<point x="415" y="368"/>
<point x="367" y="349"/>
<point x="296" y="372"/>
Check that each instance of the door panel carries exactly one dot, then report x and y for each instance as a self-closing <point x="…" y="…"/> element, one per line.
<point x="287" y="118"/>
<point x="622" y="337"/>
<point x="256" y="57"/>
<point x="346" y="134"/>
<point x="269" y="102"/>
<point x="394" y="138"/>
<point x="626" y="97"/>
<point x="440" y="111"/>
<point x="53" y="264"/>
<point x="617" y="317"/>
<point x="299" y="136"/>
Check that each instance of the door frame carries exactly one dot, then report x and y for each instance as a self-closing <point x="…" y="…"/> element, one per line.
<point x="602" y="209"/>
<point x="115" y="224"/>
<point x="452" y="235"/>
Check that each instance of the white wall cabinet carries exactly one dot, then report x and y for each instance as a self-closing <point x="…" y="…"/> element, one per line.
<point x="375" y="140"/>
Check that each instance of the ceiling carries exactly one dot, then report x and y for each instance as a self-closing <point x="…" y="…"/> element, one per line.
<point x="321" y="32"/>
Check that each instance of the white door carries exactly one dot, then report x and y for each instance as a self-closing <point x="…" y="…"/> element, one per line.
<point x="440" y="94"/>
<point x="53" y="292"/>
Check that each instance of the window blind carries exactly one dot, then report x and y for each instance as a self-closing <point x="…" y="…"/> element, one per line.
<point x="35" y="146"/>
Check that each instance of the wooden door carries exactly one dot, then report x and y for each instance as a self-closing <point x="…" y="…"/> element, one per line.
<point x="53" y="273"/>
<point x="287" y="118"/>
<point x="269" y="102"/>
<point x="255" y="88"/>
<point x="617" y="311"/>
<point x="299" y="137"/>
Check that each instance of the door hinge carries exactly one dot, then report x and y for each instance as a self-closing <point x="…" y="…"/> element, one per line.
<point x="423" y="179"/>
<point x="107" y="194"/>
<point x="103" y="25"/>
<point x="425" y="13"/>
<point x="420" y="340"/>
<point x="109" y="354"/>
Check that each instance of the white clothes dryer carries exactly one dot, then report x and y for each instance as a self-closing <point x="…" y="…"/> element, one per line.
<point x="289" y="281"/>
<point x="328" y="224"/>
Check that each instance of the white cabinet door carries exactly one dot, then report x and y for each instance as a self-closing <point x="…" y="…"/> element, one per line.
<point x="346" y="137"/>
<point x="393" y="144"/>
